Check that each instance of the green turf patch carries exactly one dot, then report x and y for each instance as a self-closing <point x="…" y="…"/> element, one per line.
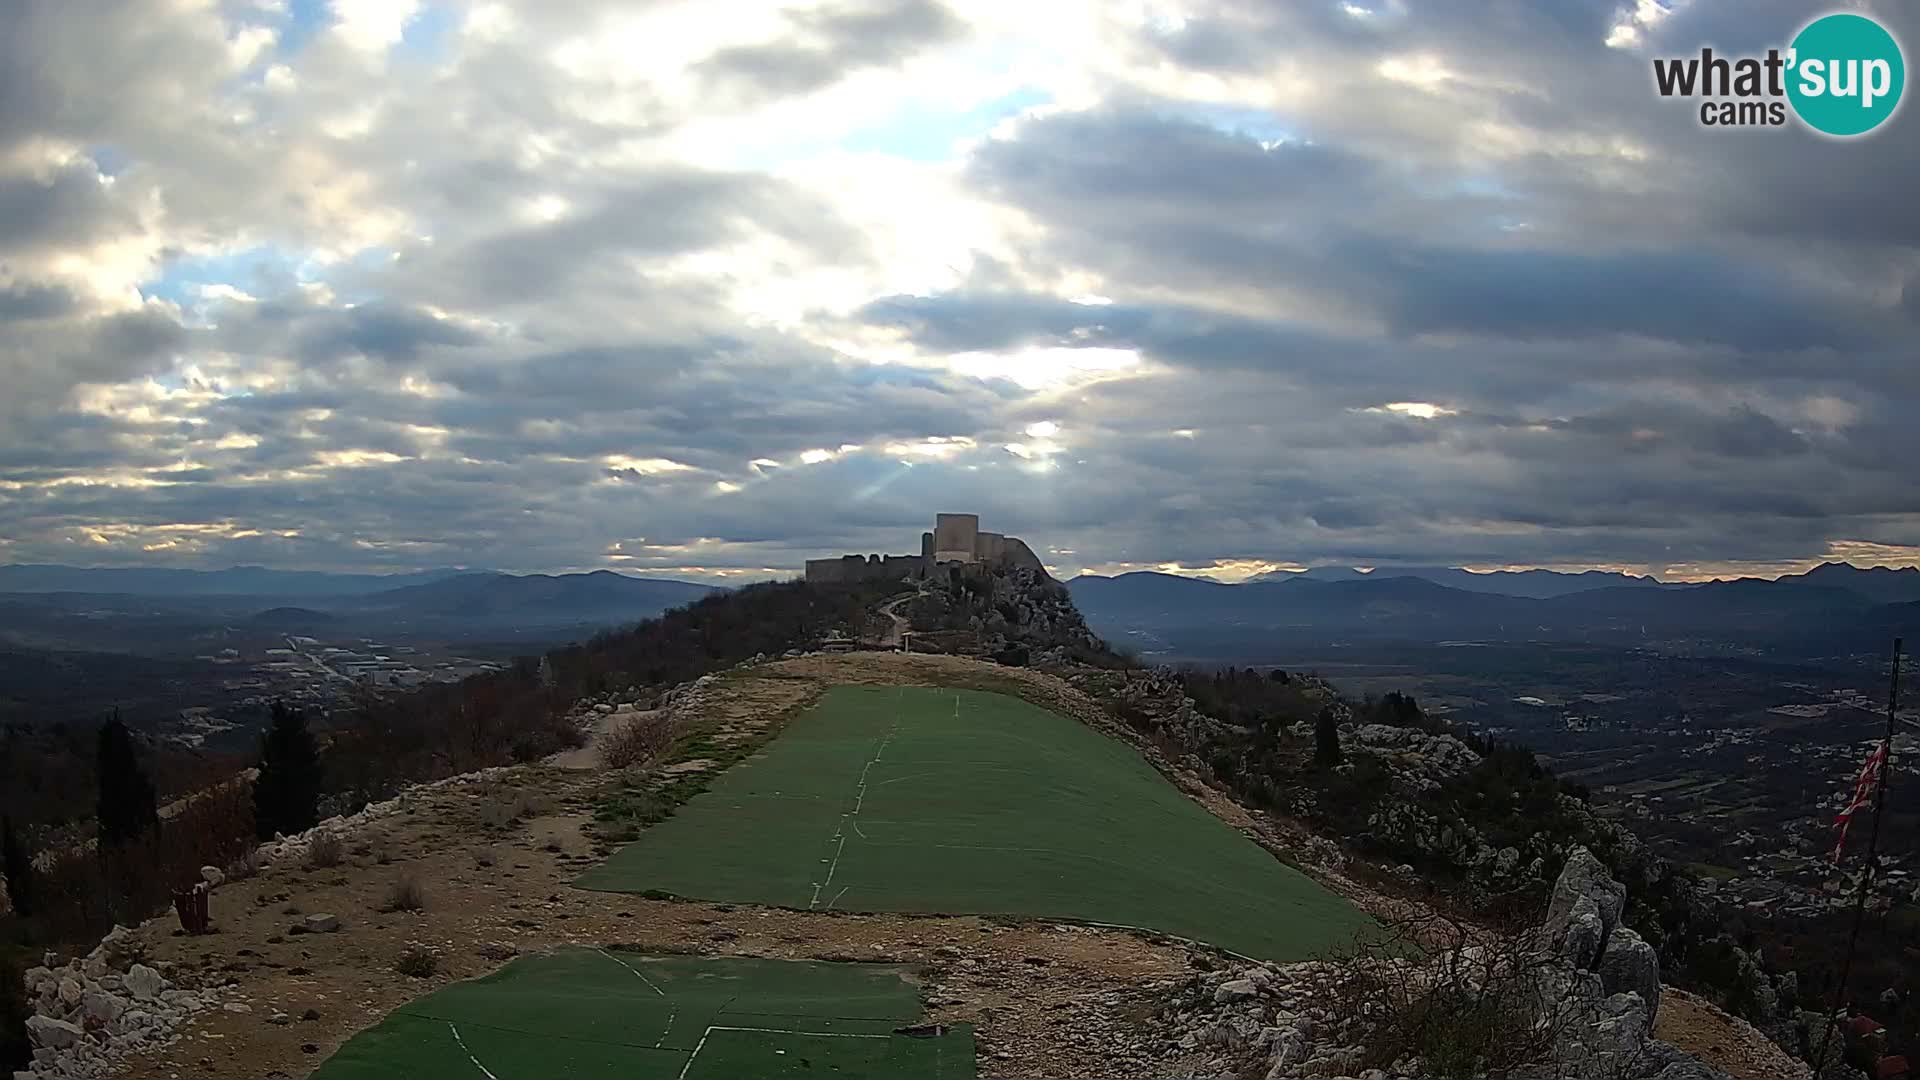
<point x="589" y="1014"/>
<point x="915" y="799"/>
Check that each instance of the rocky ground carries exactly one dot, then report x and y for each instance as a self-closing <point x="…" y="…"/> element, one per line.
<point x="303" y="954"/>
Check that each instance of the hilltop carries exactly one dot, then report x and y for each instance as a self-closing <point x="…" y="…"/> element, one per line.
<point x="1417" y="819"/>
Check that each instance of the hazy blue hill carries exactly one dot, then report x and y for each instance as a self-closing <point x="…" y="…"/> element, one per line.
<point x="233" y="581"/>
<point x="1534" y="584"/>
<point x="1881" y="584"/>
<point x="601" y="593"/>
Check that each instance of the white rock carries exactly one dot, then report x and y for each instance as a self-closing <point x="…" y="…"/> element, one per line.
<point x="100" y="1006"/>
<point x="144" y="983"/>
<point x="213" y="876"/>
<point x="321" y="924"/>
<point x="52" y="1034"/>
<point x="70" y="991"/>
<point x="1235" y="990"/>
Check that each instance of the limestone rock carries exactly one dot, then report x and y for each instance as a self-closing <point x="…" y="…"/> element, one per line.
<point x="1235" y="990"/>
<point x="320" y="924"/>
<point x="1585" y="876"/>
<point x="70" y="991"/>
<point x="1629" y="964"/>
<point x="53" y="1034"/>
<point x="1581" y="938"/>
<point x="213" y="876"/>
<point x="102" y="1007"/>
<point x="144" y="983"/>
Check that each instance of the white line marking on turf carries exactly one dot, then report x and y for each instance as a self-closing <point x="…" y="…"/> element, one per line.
<point x="673" y="1008"/>
<point x="769" y="1031"/>
<point x="463" y="1049"/>
<point x="837" y="896"/>
<point x="860" y="800"/>
<point x="636" y="971"/>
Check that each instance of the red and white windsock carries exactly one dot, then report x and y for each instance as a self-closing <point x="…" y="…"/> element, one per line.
<point x="1863" y="789"/>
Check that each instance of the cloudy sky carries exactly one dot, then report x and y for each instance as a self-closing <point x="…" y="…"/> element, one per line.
<point x="712" y="287"/>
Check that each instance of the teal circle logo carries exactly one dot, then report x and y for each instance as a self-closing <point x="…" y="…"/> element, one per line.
<point x="1845" y="75"/>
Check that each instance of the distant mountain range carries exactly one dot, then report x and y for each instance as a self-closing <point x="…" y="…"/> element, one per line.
<point x="233" y="581"/>
<point x="487" y="595"/>
<point x="1878" y="583"/>
<point x="1834" y="606"/>
<point x="166" y="611"/>
<point x="1539" y="584"/>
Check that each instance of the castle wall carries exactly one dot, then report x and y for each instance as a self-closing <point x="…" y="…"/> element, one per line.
<point x="954" y="537"/>
<point x="848" y="569"/>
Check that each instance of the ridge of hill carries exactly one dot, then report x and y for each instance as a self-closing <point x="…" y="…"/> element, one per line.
<point x="1419" y="817"/>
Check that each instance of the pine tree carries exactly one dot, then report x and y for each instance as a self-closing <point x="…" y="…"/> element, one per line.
<point x="19" y="869"/>
<point x="286" y="795"/>
<point x="1326" y="739"/>
<point x="127" y="806"/>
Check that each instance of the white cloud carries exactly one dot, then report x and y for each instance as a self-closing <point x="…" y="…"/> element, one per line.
<point x="373" y="25"/>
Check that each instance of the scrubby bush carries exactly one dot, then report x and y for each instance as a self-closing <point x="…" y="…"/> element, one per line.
<point x="325" y="851"/>
<point x="1469" y="1002"/>
<point x="417" y="961"/>
<point x="639" y="740"/>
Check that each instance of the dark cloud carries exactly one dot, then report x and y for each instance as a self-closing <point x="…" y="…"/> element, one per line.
<point x="20" y="302"/>
<point x="68" y="208"/>
<point x="828" y="44"/>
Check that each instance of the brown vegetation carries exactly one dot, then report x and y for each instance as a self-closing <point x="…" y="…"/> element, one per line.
<point x="638" y="740"/>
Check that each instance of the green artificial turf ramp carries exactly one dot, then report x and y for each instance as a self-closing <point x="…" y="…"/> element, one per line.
<point x="916" y="799"/>
<point x="590" y="1014"/>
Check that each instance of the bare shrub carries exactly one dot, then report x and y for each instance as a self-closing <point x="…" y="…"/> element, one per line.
<point x="639" y="740"/>
<point x="325" y="851"/>
<point x="417" y="961"/>
<point x="244" y="865"/>
<point x="406" y="894"/>
<point x="1466" y="1000"/>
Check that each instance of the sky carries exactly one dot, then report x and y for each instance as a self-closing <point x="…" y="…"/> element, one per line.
<point x="704" y="289"/>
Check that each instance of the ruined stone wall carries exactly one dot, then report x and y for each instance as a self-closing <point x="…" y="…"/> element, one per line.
<point x="850" y="569"/>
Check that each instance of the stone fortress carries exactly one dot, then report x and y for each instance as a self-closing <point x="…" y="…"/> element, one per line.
<point x="955" y="542"/>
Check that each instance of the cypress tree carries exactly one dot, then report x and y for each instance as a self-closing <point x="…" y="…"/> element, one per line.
<point x="286" y="795"/>
<point x="19" y="869"/>
<point x="127" y="807"/>
<point x="1326" y="739"/>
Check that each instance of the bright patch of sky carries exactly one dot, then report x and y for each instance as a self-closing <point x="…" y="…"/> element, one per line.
<point x="930" y="131"/>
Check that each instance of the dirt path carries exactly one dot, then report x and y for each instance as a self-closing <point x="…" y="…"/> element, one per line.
<point x="891" y="609"/>
<point x="587" y="754"/>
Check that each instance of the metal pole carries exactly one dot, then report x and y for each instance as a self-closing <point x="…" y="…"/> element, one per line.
<point x="1872" y="867"/>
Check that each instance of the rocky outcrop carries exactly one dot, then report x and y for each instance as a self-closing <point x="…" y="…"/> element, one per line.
<point x="92" y="1011"/>
<point x="1579" y="1011"/>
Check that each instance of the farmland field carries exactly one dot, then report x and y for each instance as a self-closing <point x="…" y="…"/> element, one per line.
<point x="914" y="799"/>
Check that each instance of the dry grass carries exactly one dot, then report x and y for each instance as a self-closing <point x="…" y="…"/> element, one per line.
<point x="326" y="851"/>
<point x="407" y="894"/>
